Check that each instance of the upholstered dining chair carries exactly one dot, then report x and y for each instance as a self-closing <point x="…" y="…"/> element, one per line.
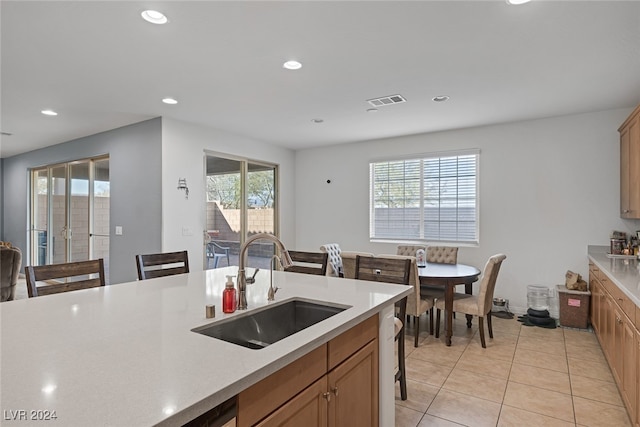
<point x="390" y="270"/>
<point x="349" y="263"/>
<point x="442" y="254"/>
<point x="335" y="259"/>
<point x="64" y="277"/>
<point x="409" y="250"/>
<point x="162" y="264"/>
<point x="308" y="262"/>
<point x="477" y="305"/>
<point x="10" y="261"/>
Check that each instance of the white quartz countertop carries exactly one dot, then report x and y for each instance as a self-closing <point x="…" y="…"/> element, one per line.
<point x="625" y="273"/>
<point x="125" y="355"/>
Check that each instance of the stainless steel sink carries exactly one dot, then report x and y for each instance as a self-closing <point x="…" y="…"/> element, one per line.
<point x="259" y="328"/>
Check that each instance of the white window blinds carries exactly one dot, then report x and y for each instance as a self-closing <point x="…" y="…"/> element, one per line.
<point x="431" y="198"/>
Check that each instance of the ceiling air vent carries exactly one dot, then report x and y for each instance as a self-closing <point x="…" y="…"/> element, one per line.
<point x="386" y="100"/>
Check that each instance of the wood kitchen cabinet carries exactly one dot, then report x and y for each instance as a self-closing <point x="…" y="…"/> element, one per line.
<point x="613" y="317"/>
<point x="637" y="423"/>
<point x="596" y="299"/>
<point x="333" y="385"/>
<point x="630" y="166"/>
<point x="340" y="398"/>
<point x="629" y="366"/>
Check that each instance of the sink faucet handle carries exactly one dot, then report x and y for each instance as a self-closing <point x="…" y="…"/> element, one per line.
<point x="271" y="295"/>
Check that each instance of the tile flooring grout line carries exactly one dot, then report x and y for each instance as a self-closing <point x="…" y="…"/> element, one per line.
<point x="573" y="400"/>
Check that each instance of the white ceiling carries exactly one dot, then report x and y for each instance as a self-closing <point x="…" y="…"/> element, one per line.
<point x="100" y="66"/>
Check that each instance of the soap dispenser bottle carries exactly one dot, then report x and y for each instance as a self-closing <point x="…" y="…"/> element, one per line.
<point x="229" y="303"/>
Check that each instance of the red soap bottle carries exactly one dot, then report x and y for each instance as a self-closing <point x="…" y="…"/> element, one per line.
<point x="229" y="303"/>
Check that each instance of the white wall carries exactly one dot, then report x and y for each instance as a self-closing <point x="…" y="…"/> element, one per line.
<point x="183" y="148"/>
<point x="548" y="188"/>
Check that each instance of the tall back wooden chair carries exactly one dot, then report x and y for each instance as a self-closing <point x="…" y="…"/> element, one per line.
<point x="65" y="277"/>
<point x="349" y="263"/>
<point x="308" y="262"/>
<point x="421" y="300"/>
<point x="390" y="270"/>
<point x="162" y="264"/>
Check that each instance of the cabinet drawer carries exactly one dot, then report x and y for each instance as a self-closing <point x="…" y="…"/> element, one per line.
<point x="593" y="269"/>
<point x="620" y="298"/>
<point x="344" y="345"/>
<point x="265" y="396"/>
<point x="608" y="285"/>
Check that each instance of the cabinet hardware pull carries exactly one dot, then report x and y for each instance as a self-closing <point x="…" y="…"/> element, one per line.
<point x="327" y="396"/>
<point x="335" y="390"/>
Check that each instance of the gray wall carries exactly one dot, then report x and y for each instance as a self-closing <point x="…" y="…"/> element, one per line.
<point x="135" y="159"/>
<point x="1" y="202"/>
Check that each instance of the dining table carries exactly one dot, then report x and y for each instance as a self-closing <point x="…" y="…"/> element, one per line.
<point x="449" y="276"/>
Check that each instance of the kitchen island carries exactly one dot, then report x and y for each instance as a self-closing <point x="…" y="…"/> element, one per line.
<point x="125" y="355"/>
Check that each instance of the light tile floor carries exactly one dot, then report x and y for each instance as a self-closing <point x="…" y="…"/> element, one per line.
<point x="525" y="376"/>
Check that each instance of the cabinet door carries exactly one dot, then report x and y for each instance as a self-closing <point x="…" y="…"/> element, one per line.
<point x="637" y="422"/>
<point x="309" y="408"/>
<point x="595" y="303"/>
<point x="354" y="388"/>
<point x="618" y="344"/>
<point x="629" y="366"/>
<point x="607" y="319"/>
<point x="630" y="169"/>
<point x="624" y="173"/>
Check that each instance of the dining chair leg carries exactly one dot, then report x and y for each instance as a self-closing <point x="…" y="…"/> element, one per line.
<point x="481" y="328"/>
<point x="402" y="375"/>
<point x="489" y="325"/>
<point x="416" y="321"/>
<point x="438" y="323"/>
<point x="431" y="321"/>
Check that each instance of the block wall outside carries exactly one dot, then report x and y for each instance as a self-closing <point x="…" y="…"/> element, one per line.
<point x="223" y="225"/>
<point x="80" y="226"/>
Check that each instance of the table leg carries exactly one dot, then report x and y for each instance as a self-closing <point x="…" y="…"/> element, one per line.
<point x="468" y="289"/>
<point x="448" y="305"/>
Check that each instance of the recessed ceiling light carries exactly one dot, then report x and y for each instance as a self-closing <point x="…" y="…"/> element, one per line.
<point x="169" y="101"/>
<point x="441" y="98"/>
<point x="317" y="120"/>
<point x="154" y="17"/>
<point x="517" y="2"/>
<point x="49" y="113"/>
<point x="372" y="110"/>
<point x="292" y="65"/>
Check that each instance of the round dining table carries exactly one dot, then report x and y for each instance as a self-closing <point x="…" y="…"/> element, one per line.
<point x="449" y="276"/>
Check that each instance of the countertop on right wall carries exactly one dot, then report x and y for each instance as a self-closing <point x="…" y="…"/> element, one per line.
<point x="625" y="273"/>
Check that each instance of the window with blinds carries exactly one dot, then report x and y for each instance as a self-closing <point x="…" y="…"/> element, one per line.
<point x="432" y="198"/>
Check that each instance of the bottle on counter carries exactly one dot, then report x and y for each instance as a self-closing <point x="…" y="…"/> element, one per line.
<point x="229" y="303"/>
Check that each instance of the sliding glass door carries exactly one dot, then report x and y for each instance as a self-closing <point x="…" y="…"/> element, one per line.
<point x="241" y="201"/>
<point x="70" y="212"/>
